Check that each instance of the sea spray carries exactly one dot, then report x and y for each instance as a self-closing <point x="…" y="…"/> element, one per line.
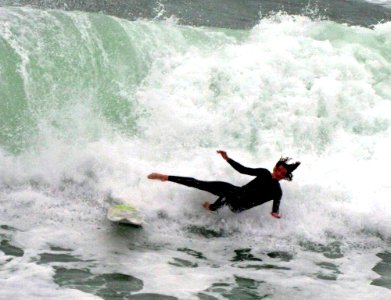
<point x="91" y="104"/>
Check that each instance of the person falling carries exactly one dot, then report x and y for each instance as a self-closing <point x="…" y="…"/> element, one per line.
<point x="263" y="188"/>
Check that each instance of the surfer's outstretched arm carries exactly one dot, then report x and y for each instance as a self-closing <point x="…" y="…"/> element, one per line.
<point x="238" y="167"/>
<point x="223" y="154"/>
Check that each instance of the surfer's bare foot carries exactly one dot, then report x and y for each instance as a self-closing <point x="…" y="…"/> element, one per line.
<point x="206" y="205"/>
<point x="158" y="176"/>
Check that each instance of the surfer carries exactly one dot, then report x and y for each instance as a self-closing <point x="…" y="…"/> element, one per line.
<point x="263" y="188"/>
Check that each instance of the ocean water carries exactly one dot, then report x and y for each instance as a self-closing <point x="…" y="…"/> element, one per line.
<point x="91" y="103"/>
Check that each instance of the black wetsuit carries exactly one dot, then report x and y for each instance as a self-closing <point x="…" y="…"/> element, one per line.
<point x="258" y="191"/>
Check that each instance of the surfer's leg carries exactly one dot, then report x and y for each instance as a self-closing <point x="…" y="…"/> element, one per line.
<point x="218" y="188"/>
<point x="220" y="202"/>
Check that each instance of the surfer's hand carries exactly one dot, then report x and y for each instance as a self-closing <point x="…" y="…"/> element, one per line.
<point x="276" y="215"/>
<point x="223" y="154"/>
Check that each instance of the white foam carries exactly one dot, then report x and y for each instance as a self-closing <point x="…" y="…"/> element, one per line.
<point x="385" y="3"/>
<point x="285" y="90"/>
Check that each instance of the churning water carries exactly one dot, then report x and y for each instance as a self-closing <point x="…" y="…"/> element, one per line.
<point x="91" y="103"/>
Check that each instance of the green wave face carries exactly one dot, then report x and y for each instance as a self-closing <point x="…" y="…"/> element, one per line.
<point x="55" y="62"/>
<point x="79" y="77"/>
<point x="90" y="104"/>
<point x="75" y="75"/>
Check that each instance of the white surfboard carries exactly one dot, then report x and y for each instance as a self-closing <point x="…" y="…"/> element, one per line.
<point x="125" y="214"/>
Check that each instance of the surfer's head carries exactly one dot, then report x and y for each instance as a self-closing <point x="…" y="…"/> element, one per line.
<point x="283" y="170"/>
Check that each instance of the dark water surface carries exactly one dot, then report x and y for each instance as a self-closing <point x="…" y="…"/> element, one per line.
<point x="223" y="13"/>
<point x="83" y="91"/>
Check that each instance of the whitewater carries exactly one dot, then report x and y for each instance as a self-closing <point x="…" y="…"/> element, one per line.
<point x="91" y="104"/>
